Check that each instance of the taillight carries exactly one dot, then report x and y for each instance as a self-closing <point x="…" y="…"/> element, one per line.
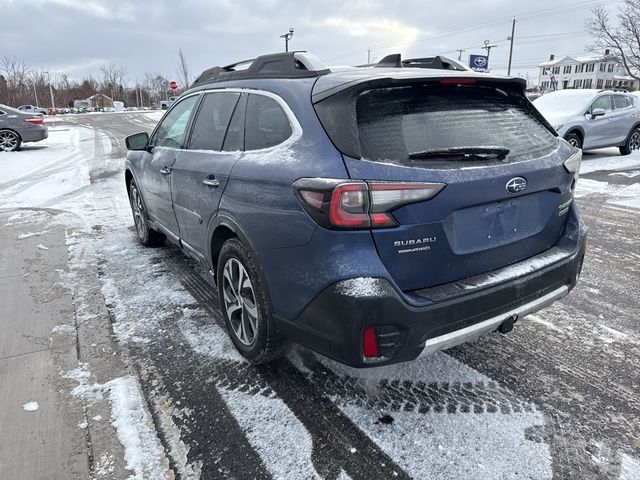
<point x="35" y="121"/>
<point x="357" y="204"/>
<point x="349" y="205"/>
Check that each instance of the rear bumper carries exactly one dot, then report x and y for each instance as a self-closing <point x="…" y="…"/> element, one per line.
<point x="413" y="324"/>
<point x="34" y="134"/>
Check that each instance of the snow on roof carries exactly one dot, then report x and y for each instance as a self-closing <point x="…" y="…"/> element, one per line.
<point x="98" y="95"/>
<point x="571" y="59"/>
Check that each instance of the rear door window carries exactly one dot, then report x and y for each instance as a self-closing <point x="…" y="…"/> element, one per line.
<point x="398" y="125"/>
<point x="266" y="123"/>
<point x="621" y="102"/>
<point x="212" y="120"/>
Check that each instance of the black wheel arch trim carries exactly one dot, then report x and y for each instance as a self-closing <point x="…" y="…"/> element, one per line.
<point x="12" y="131"/>
<point x="631" y="130"/>
<point x="577" y="129"/>
<point x="238" y="231"/>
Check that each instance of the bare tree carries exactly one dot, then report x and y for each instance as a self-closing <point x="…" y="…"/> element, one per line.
<point x="16" y="81"/>
<point x="183" y="70"/>
<point x="157" y="86"/>
<point x="113" y="79"/>
<point x="622" y="40"/>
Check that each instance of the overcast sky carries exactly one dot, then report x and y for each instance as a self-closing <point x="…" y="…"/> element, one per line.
<point x="79" y="36"/>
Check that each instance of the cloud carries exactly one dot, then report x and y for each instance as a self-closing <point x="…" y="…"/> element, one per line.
<point x="377" y="27"/>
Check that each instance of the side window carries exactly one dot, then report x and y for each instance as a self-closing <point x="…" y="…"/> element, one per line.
<point x="266" y="124"/>
<point x="212" y="121"/>
<point x="170" y="132"/>
<point x="234" y="140"/>
<point x="601" y="102"/>
<point x="620" y="102"/>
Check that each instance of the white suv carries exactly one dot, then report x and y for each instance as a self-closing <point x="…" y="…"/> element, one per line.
<point x="591" y="119"/>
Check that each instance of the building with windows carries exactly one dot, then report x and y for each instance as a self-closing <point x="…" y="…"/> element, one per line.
<point x="591" y="71"/>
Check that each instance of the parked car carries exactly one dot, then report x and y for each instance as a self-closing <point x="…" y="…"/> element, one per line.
<point x="18" y="127"/>
<point x="373" y="214"/>
<point x="33" y="109"/>
<point x="591" y="119"/>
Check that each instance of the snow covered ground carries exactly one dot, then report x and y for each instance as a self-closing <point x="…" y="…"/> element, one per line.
<point x="614" y="170"/>
<point x="306" y="417"/>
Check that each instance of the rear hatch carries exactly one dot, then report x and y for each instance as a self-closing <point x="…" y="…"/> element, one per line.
<point x="505" y="192"/>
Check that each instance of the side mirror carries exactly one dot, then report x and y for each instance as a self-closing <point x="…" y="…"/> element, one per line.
<point x="598" y="112"/>
<point x="137" y="141"/>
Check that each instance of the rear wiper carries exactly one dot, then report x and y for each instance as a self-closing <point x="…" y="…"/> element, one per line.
<point x="471" y="153"/>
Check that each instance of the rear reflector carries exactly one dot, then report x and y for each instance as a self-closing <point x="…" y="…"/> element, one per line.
<point x="35" y="121"/>
<point x="370" y="343"/>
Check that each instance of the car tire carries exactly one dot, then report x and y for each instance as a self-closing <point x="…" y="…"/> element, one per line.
<point x="147" y="235"/>
<point x="633" y="142"/>
<point x="245" y="308"/>
<point x="10" y="141"/>
<point x="574" y="139"/>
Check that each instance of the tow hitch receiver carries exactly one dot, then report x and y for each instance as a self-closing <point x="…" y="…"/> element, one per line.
<point x="506" y="326"/>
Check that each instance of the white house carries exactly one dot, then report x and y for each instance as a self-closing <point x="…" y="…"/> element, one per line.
<point x="589" y="71"/>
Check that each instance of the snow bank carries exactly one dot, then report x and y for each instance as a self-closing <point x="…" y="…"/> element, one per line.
<point x="143" y="451"/>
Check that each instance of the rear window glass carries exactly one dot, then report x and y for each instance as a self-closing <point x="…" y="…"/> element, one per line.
<point x="397" y="125"/>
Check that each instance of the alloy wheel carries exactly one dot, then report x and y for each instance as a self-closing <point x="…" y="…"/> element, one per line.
<point x="574" y="142"/>
<point x="8" y="141"/>
<point x="634" y="141"/>
<point x="240" y="301"/>
<point x="138" y="211"/>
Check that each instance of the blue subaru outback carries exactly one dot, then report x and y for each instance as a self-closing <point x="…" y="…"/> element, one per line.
<point x="372" y="214"/>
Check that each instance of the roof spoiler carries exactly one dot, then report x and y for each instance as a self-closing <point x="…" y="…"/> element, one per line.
<point x="439" y="62"/>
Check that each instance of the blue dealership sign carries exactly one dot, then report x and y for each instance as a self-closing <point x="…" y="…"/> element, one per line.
<point x="479" y="63"/>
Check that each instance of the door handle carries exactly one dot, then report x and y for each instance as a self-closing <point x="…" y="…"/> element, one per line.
<point x="165" y="170"/>
<point x="211" y="181"/>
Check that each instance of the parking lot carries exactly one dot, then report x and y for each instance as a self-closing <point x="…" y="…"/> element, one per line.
<point x="558" y="397"/>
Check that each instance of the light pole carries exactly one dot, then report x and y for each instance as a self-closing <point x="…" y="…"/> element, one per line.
<point x="53" y="103"/>
<point x="511" y="37"/>
<point x="287" y="37"/>
<point x="488" y="48"/>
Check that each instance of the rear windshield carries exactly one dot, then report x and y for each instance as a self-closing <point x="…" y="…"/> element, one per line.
<point x="411" y="125"/>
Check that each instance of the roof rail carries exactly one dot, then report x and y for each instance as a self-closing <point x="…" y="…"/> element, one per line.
<point x="276" y="65"/>
<point x="439" y="62"/>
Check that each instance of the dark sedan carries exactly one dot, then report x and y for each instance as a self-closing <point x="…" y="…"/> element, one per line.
<point x="17" y="127"/>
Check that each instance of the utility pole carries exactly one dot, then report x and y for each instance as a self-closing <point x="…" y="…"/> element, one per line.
<point x="513" y="32"/>
<point x="287" y="37"/>
<point x="53" y="105"/>
<point x="368" y="56"/>
<point x="35" y="93"/>
<point x="488" y="47"/>
<point x="460" y="50"/>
